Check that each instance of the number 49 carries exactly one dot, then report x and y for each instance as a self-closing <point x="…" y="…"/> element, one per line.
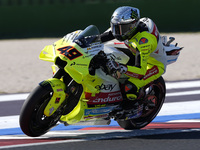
<point x="70" y="52"/>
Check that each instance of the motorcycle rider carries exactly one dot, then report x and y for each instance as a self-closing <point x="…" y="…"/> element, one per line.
<point x="147" y="58"/>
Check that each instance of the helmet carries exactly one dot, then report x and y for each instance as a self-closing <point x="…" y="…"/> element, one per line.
<point x="124" y="22"/>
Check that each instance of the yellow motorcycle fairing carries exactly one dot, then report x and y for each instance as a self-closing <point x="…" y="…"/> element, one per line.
<point x="77" y="67"/>
<point x="58" y="95"/>
<point x="76" y="114"/>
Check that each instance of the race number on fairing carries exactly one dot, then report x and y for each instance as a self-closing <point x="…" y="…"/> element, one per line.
<point x="70" y="52"/>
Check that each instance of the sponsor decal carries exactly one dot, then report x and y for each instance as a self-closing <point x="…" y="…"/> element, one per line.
<point x="134" y="14"/>
<point x="94" y="117"/>
<point x="96" y="43"/>
<point x="153" y="71"/>
<point x="59" y="90"/>
<point x="128" y="87"/>
<point x="74" y="63"/>
<point x="134" y="75"/>
<point x="89" y="48"/>
<point x="108" y="99"/>
<point x="51" y="110"/>
<point x="108" y="87"/>
<point x="94" y="47"/>
<point x="57" y="100"/>
<point x="98" y="111"/>
<point x="117" y="43"/>
<point x="146" y="46"/>
<point x="104" y="98"/>
<point x="143" y="40"/>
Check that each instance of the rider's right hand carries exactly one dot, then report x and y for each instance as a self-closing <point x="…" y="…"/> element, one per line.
<point x="115" y="69"/>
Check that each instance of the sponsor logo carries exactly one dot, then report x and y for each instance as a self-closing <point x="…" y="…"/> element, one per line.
<point x="89" y="48"/>
<point x="108" y="99"/>
<point x="74" y="63"/>
<point x="134" y="14"/>
<point x="153" y="71"/>
<point x="57" y="100"/>
<point x="143" y="40"/>
<point x="103" y="98"/>
<point x="59" y="90"/>
<point x="134" y="75"/>
<point x="99" y="116"/>
<point x="51" y="110"/>
<point x="109" y="87"/>
<point x="128" y="87"/>
<point x="98" y="111"/>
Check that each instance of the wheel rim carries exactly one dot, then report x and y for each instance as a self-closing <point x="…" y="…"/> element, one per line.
<point x="155" y="92"/>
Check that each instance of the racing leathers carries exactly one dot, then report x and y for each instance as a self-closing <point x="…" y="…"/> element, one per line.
<point x="148" y="55"/>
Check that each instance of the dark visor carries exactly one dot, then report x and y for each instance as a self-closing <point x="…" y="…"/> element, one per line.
<point x="122" y="29"/>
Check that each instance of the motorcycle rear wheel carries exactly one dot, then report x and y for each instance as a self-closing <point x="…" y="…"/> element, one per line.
<point x="32" y="120"/>
<point x="159" y="90"/>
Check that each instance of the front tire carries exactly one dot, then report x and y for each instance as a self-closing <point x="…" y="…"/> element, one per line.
<point x="32" y="120"/>
<point x="158" y="90"/>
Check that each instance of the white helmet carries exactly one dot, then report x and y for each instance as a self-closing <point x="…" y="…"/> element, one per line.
<point x="124" y="22"/>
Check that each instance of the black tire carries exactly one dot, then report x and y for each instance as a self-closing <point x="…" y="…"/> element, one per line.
<point x="159" y="90"/>
<point x="32" y="120"/>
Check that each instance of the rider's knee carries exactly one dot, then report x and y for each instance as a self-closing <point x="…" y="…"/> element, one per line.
<point x="131" y="90"/>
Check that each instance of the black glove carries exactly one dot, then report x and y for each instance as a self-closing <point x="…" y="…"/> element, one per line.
<point x="115" y="69"/>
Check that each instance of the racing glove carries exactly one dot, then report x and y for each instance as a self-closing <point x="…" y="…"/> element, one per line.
<point x="115" y="69"/>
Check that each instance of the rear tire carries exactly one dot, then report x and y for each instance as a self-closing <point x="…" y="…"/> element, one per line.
<point x="159" y="90"/>
<point x="32" y="120"/>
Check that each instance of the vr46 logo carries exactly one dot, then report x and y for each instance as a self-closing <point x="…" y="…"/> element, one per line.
<point x="70" y="52"/>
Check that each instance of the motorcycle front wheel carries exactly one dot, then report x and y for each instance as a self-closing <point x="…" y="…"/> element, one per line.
<point x="157" y="90"/>
<point x="32" y="120"/>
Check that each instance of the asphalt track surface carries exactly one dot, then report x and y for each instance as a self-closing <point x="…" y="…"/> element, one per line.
<point x="176" y="131"/>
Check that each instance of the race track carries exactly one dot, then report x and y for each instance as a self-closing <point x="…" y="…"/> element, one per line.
<point x="177" y="126"/>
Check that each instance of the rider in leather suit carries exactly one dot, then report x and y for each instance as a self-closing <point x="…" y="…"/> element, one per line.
<point x="142" y="38"/>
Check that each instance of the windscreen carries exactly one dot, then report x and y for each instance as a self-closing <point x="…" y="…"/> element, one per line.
<point x="88" y="36"/>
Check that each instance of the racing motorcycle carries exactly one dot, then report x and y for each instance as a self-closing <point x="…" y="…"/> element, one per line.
<point x="82" y="89"/>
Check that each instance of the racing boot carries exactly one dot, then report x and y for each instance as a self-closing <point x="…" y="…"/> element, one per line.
<point x="130" y="106"/>
<point x="131" y="100"/>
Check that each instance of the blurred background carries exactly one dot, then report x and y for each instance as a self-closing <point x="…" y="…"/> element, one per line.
<point x="55" y="18"/>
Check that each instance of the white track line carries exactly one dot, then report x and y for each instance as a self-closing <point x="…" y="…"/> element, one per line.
<point x="169" y="85"/>
<point x="194" y="92"/>
<point x="174" y="108"/>
<point x="13" y="97"/>
<point x="182" y="85"/>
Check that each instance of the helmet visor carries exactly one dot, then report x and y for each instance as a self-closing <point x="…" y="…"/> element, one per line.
<point x="122" y="29"/>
